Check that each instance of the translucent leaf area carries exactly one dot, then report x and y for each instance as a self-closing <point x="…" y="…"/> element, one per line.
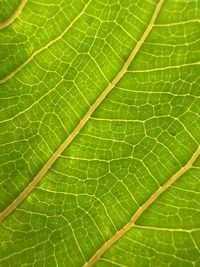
<point x="100" y="133"/>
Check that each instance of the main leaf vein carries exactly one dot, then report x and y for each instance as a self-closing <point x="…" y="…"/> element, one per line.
<point x="88" y="114"/>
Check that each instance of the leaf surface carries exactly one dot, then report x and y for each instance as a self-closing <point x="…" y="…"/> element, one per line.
<point x="100" y="122"/>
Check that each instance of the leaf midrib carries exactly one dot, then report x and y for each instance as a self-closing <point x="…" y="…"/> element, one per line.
<point x="86" y="117"/>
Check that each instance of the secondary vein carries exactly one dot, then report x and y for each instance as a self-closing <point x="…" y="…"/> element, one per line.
<point x="17" y="12"/>
<point x="141" y="210"/>
<point x="9" y="76"/>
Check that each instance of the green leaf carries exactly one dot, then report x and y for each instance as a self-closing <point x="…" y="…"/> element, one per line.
<point x="100" y="123"/>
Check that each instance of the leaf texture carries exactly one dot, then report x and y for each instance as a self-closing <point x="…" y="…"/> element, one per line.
<point x="100" y="122"/>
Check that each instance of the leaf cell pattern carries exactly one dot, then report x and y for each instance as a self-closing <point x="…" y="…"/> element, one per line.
<point x="100" y="101"/>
